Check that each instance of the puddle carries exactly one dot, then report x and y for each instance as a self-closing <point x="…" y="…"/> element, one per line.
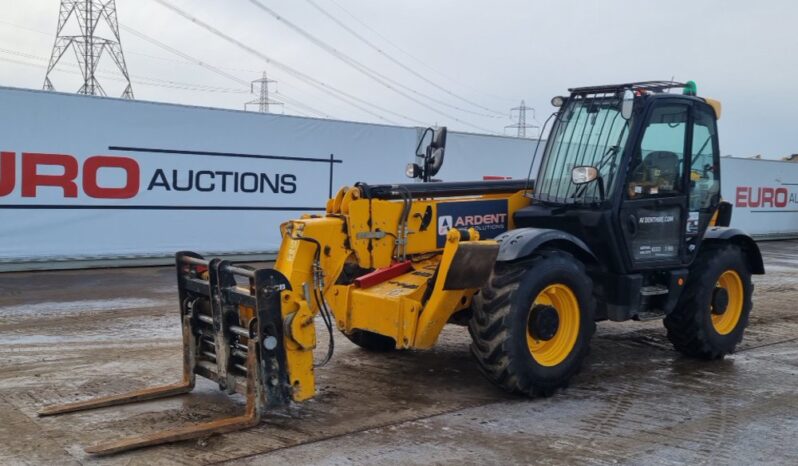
<point x="55" y="308"/>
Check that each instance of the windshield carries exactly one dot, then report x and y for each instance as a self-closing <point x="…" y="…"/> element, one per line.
<point x="589" y="131"/>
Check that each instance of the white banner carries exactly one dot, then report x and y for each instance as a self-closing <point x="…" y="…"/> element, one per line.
<point x="95" y="178"/>
<point x="764" y="194"/>
<point x="98" y="178"/>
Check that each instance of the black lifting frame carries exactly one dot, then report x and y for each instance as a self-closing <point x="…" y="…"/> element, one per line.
<point x="245" y="357"/>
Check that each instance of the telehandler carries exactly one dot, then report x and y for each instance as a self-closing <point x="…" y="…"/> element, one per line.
<point x="623" y="221"/>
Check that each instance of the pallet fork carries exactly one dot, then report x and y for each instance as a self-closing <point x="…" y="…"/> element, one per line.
<point x="232" y="335"/>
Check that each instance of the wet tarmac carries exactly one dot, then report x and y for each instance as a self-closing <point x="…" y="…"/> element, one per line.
<point x="66" y="336"/>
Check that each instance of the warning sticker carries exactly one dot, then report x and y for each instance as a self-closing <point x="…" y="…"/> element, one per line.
<point x="692" y="222"/>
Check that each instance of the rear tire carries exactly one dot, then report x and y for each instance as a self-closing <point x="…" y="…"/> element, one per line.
<point x="515" y="343"/>
<point x="713" y="312"/>
<point x="371" y="341"/>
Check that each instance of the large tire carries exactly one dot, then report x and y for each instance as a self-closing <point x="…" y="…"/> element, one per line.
<point x="371" y="341"/>
<point x="521" y="357"/>
<point x="701" y="326"/>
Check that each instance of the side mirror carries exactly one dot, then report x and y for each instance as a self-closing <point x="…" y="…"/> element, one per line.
<point x="435" y="161"/>
<point x="584" y="174"/>
<point x="433" y="158"/>
<point x="439" y="139"/>
<point x="432" y="155"/>
<point x="627" y="104"/>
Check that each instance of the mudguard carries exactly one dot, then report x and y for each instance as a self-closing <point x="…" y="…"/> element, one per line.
<point x="742" y="239"/>
<point x="521" y="242"/>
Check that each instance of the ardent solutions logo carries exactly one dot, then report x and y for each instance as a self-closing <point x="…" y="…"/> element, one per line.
<point x="444" y="224"/>
<point x="488" y="217"/>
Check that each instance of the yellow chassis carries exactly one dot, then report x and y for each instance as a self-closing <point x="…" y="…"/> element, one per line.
<point x="365" y="233"/>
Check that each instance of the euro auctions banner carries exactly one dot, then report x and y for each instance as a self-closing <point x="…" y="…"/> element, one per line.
<point x="96" y="178"/>
<point x="764" y="194"/>
<point x="136" y="178"/>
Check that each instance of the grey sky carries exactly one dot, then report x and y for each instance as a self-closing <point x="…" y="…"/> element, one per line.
<point x="492" y="53"/>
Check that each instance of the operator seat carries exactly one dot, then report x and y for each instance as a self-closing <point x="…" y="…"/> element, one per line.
<point x="657" y="174"/>
<point x="663" y="169"/>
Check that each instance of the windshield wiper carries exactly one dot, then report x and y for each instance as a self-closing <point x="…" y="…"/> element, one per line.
<point x="700" y="151"/>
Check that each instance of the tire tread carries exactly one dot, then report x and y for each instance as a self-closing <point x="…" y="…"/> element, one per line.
<point x="492" y="319"/>
<point x="684" y="325"/>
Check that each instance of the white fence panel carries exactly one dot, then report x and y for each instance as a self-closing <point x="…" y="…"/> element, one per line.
<point x="95" y="178"/>
<point x="764" y="194"/>
<point x="85" y="178"/>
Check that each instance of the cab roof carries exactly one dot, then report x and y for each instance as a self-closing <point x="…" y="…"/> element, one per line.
<point x="652" y="86"/>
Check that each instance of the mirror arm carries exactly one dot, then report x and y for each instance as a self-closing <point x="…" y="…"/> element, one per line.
<point x="425" y="174"/>
<point x="600" y="181"/>
<point x="421" y="139"/>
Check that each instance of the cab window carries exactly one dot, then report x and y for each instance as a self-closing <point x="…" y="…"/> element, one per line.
<point x="658" y="163"/>
<point x="704" y="166"/>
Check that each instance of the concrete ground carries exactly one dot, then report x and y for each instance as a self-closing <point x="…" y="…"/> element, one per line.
<point x="65" y="336"/>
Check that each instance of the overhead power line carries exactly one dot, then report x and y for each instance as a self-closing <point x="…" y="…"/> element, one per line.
<point x="189" y="60"/>
<point x="343" y="96"/>
<point x="296" y="104"/>
<point x="410" y="55"/>
<point x="401" y="64"/>
<point x="115" y="76"/>
<point x="183" y="55"/>
<point x="386" y="81"/>
<point x="214" y="69"/>
<point x="19" y="26"/>
<point x="127" y="49"/>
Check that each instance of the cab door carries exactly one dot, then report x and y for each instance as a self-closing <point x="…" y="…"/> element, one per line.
<point x="703" y="176"/>
<point x="655" y="198"/>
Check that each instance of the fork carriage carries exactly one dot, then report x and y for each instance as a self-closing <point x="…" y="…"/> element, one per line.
<point x="232" y="335"/>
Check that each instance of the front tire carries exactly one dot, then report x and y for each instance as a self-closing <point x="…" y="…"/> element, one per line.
<point x="533" y="322"/>
<point x="713" y="311"/>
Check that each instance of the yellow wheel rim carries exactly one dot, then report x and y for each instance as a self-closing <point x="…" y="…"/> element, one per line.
<point x="726" y="322"/>
<point x="554" y="350"/>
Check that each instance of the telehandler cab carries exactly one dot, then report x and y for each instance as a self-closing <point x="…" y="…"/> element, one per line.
<point x="623" y="221"/>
